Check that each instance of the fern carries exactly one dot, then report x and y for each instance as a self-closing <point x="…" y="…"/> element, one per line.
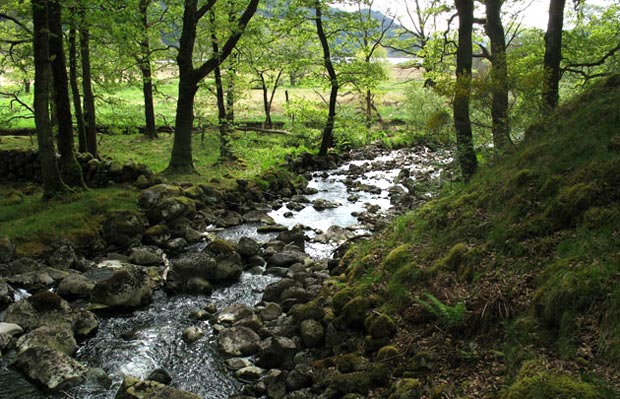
<point x="448" y="316"/>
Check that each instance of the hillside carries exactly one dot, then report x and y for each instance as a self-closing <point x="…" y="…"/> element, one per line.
<point x="509" y="287"/>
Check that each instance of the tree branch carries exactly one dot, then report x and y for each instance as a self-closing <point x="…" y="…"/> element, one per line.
<point x="600" y="61"/>
<point x="205" y="9"/>
<point x="16" y="22"/>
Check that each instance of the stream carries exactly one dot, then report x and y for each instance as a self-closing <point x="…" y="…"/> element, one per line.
<point x="136" y="343"/>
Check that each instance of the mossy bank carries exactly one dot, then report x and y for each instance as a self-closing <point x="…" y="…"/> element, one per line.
<point x="509" y="287"/>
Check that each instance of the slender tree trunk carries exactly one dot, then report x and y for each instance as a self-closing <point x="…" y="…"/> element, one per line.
<point x="90" y="123"/>
<point x="368" y="108"/>
<point x="499" y="75"/>
<point x="266" y="106"/>
<point x="327" y="139"/>
<point x="462" y="123"/>
<point x="222" y="120"/>
<point x="52" y="181"/>
<point x="75" y="89"/>
<point x="230" y="96"/>
<point x="276" y="84"/>
<point x="69" y="167"/>
<point x="145" y="69"/>
<point x="553" y="56"/>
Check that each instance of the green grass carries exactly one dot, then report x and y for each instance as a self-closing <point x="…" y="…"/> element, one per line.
<point x="27" y="219"/>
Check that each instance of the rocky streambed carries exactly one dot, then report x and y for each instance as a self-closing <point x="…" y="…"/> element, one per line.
<point x="210" y="294"/>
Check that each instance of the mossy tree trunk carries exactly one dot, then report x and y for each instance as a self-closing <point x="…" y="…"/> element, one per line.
<point x="499" y="75"/>
<point x="52" y="181"/>
<point x="553" y="56"/>
<point x="69" y="167"/>
<point x="462" y="123"/>
<point x="75" y="87"/>
<point x="144" y="63"/>
<point x="90" y="122"/>
<point x="327" y="138"/>
<point x="181" y="160"/>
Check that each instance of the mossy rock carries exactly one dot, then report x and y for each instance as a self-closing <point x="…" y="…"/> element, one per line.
<point x="356" y="382"/>
<point x="307" y="311"/>
<point x="351" y="362"/>
<point x="45" y="301"/>
<point x="380" y="325"/>
<point x="397" y="258"/>
<point x="219" y="246"/>
<point x="341" y="298"/>
<point x="389" y="354"/>
<point x="455" y="257"/>
<point x="570" y="204"/>
<point x="534" y="382"/>
<point x="354" y="312"/>
<point x="406" y="388"/>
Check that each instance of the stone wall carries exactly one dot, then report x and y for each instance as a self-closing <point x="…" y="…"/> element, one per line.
<point x="24" y="166"/>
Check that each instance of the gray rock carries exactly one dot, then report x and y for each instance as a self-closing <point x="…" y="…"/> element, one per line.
<point x="234" y="313"/>
<point x="133" y="388"/>
<point x="59" y="338"/>
<point x="271" y="311"/>
<point x="50" y="369"/>
<point x="277" y="352"/>
<point x="6" y="342"/>
<point x="229" y="219"/>
<point x="248" y="247"/>
<point x="176" y="244"/>
<point x="32" y="281"/>
<point x="295" y="236"/>
<point x="237" y="363"/>
<point x="322" y="204"/>
<point x="64" y="257"/>
<point x="145" y="256"/>
<point x="238" y="341"/>
<point x="129" y="287"/>
<point x="199" y="314"/>
<point x="273" y="291"/>
<point x="160" y="375"/>
<point x="312" y="333"/>
<point x="286" y="258"/>
<point x="10" y="329"/>
<point x="197" y="286"/>
<point x="192" y="334"/>
<point x="6" y="294"/>
<point x="335" y="234"/>
<point x="98" y="376"/>
<point x="152" y="196"/>
<point x="20" y="266"/>
<point x="250" y="373"/>
<point x="299" y="378"/>
<point x="258" y="217"/>
<point x="123" y="229"/>
<point x="75" y="286"/>
<point x="47" y="308"/>
<point x="171" y="208"/>
<point x="225" y="269"/>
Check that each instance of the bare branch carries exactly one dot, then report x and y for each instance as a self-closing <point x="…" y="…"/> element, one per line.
<point x="16" y="22"/>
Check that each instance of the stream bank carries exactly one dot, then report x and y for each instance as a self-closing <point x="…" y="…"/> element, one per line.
<point x="208" y="246"/>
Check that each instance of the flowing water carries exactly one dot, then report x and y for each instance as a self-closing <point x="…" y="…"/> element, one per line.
<point x="136" y="343"/>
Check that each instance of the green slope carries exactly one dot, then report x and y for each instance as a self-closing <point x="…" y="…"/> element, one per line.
<point x="510" y="286"/>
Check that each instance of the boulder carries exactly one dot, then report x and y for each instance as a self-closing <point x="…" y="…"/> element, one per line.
<point x="64" y="256"/>
<point x="52" y="370"/>
<point x="160" y="375"/>
<point x="145" y="256"/>
<point x="312" y="333"/>
<point x="295" y="236"/>
<point x="6" y="294"/>
<point x="59" y="338"/>
<point x="234" y="313"/>
<point x="11" y="329"/>
<point x="271" y="311"/>
<point x="322" y="204"/>
<point x="133" y="388"/>
<point x="75" y="286"/>
<point x="238" y="341"/>
<point x="47" y="308"/>
<point x="257" y="217"/>
<point x="19" y="266"/>
<point x="229" y="219"/>
<point x="299" y="378"/>
<point x="380" y="326"/>
<point x="192" y="333"/>
<point x="250" y="373"/>
<point x="129" y="287"/>
<point x="286" y="258"/>
<point x="33" y="281"/>
<point x="335" y="234"/>
<point x="224" y="268"/>
<point x="273" y="292"/>
<point x="277" y="352"/>
<point x="154" y="195"/>
<point x="123" y="229"/>
<point x="248" y="247"/>
<point x="172" y="208"/>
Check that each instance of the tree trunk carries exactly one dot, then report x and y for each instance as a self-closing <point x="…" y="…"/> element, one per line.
<point x="145" y="69"/>
<point x="499" y="75"/>
<point x="69" y="167"/>
<point x="230" y="96"/>
<point x="90" y="124"/>
<point x="462" y="123"/>
<point x="222" y="120"/>
<point x="52" y="181"/>
<point x="327" y="139"/>
<point x="181" y="157"/>
<point x="553" y="56"/>
<point x="75" y="89"/>
<point x="369" y="108"/>
<point x="266" y="106"/>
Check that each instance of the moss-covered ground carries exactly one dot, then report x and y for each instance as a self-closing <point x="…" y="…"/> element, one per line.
<point x="509" y="286"/>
